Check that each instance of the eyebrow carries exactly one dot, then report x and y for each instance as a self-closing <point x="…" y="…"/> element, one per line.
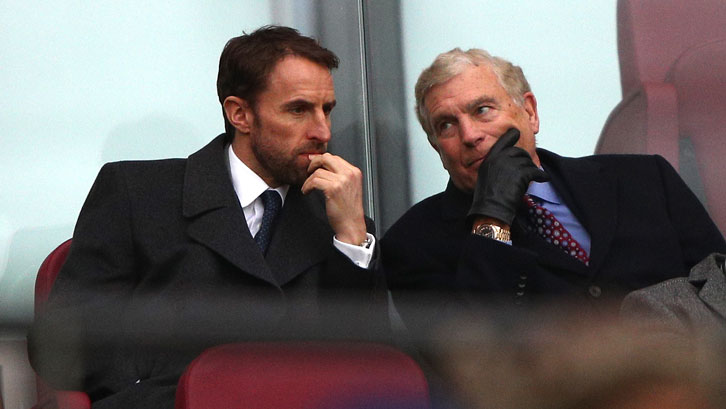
<point x="330" y="104"/>
<point x="301" y="102"/>
<point x="298" y="102"/>
<point x="468" y="107"/>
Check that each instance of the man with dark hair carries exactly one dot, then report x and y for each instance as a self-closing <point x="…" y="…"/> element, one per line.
<point x="252" y="235"/>
<point x="521" y="224"/>
<point x="245" y="77"/>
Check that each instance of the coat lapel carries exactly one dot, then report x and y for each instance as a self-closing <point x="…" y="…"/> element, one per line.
<point x="547" y="254"/>
<point x="215" y="217"/>
<point x="590" y="195"/>
<point x="456" y="204"/>
<point x="710" y="277"/>
<point x="302" y="236"/>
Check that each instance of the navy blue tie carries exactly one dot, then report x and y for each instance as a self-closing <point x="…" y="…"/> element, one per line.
<point x="272" y="202"/>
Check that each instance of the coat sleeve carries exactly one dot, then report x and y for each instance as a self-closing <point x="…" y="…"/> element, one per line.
<point x="355" y="299"/>
<point x="89" y="292"/>
<point x="437" y="269"/>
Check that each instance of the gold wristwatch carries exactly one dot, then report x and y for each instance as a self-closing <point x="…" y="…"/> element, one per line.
<point x="492" y="231"/>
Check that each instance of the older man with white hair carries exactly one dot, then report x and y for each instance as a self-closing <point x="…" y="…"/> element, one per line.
<point x="523" y="223"/>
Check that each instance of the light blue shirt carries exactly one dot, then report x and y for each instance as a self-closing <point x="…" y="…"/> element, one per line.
<point x="545" y="195"/>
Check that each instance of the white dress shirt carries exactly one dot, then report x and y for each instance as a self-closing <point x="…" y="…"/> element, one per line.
<point x="249" y="186"/>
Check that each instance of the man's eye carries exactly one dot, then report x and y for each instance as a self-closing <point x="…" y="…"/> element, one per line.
<point x="444" y="126"/>
<point x="482" y="109"/>
<point x="297" y="110"/>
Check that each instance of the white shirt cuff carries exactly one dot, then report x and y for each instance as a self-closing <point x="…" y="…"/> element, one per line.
<point x="359" y="255"/>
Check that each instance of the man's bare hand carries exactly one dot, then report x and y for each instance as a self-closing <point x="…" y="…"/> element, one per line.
<point x="342" y="185"/>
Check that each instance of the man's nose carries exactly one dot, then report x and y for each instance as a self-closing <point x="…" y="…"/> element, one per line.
<point x="320" y="127"/>
<point x="468" y="132"/>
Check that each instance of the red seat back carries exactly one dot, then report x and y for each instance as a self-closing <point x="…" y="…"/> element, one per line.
<point x="672" y="64"/>
<point x="699" y="78"/>
<point x="652" y="34"/>
<point x="47" y="273"/>
<point x="303" y="375"/>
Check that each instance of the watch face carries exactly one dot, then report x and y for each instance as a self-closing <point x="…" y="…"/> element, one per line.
<point x="486" y="231"/>
<point x="492" y="232"/>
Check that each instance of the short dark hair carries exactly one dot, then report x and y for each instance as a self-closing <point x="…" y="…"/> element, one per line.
<point x="247" y="61"/>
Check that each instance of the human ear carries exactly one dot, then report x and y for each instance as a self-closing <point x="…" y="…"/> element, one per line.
<point x="239" y="113"/>
<point x="530" y="106"/>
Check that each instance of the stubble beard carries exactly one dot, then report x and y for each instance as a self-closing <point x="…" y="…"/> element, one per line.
<point x="285" y="168"/>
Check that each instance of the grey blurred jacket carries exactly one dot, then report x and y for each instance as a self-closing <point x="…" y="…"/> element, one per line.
<point x="688" y="305"/>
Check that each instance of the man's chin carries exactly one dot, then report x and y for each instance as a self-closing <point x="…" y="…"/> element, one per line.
<point x="296" y="176"/>
<point x="299" y="180"/>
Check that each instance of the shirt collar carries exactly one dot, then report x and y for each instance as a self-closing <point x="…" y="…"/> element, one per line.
<point x="545" y="191"/>
<point x="247" y="184"/>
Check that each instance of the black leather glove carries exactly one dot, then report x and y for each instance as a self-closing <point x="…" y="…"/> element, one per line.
<point x="503" y="179"/>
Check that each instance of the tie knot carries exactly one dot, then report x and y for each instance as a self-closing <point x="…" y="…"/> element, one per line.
<point x="529" y="201"/>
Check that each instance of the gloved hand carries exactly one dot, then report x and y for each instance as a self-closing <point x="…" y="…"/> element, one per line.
<point x="503" y="179"/>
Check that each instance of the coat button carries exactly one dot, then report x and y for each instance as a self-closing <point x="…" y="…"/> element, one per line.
<point x="595" y="291"/>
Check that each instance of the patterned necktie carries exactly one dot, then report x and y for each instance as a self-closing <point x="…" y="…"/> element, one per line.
<point x="544" y="223"/>
<point x="272" y="202"/>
